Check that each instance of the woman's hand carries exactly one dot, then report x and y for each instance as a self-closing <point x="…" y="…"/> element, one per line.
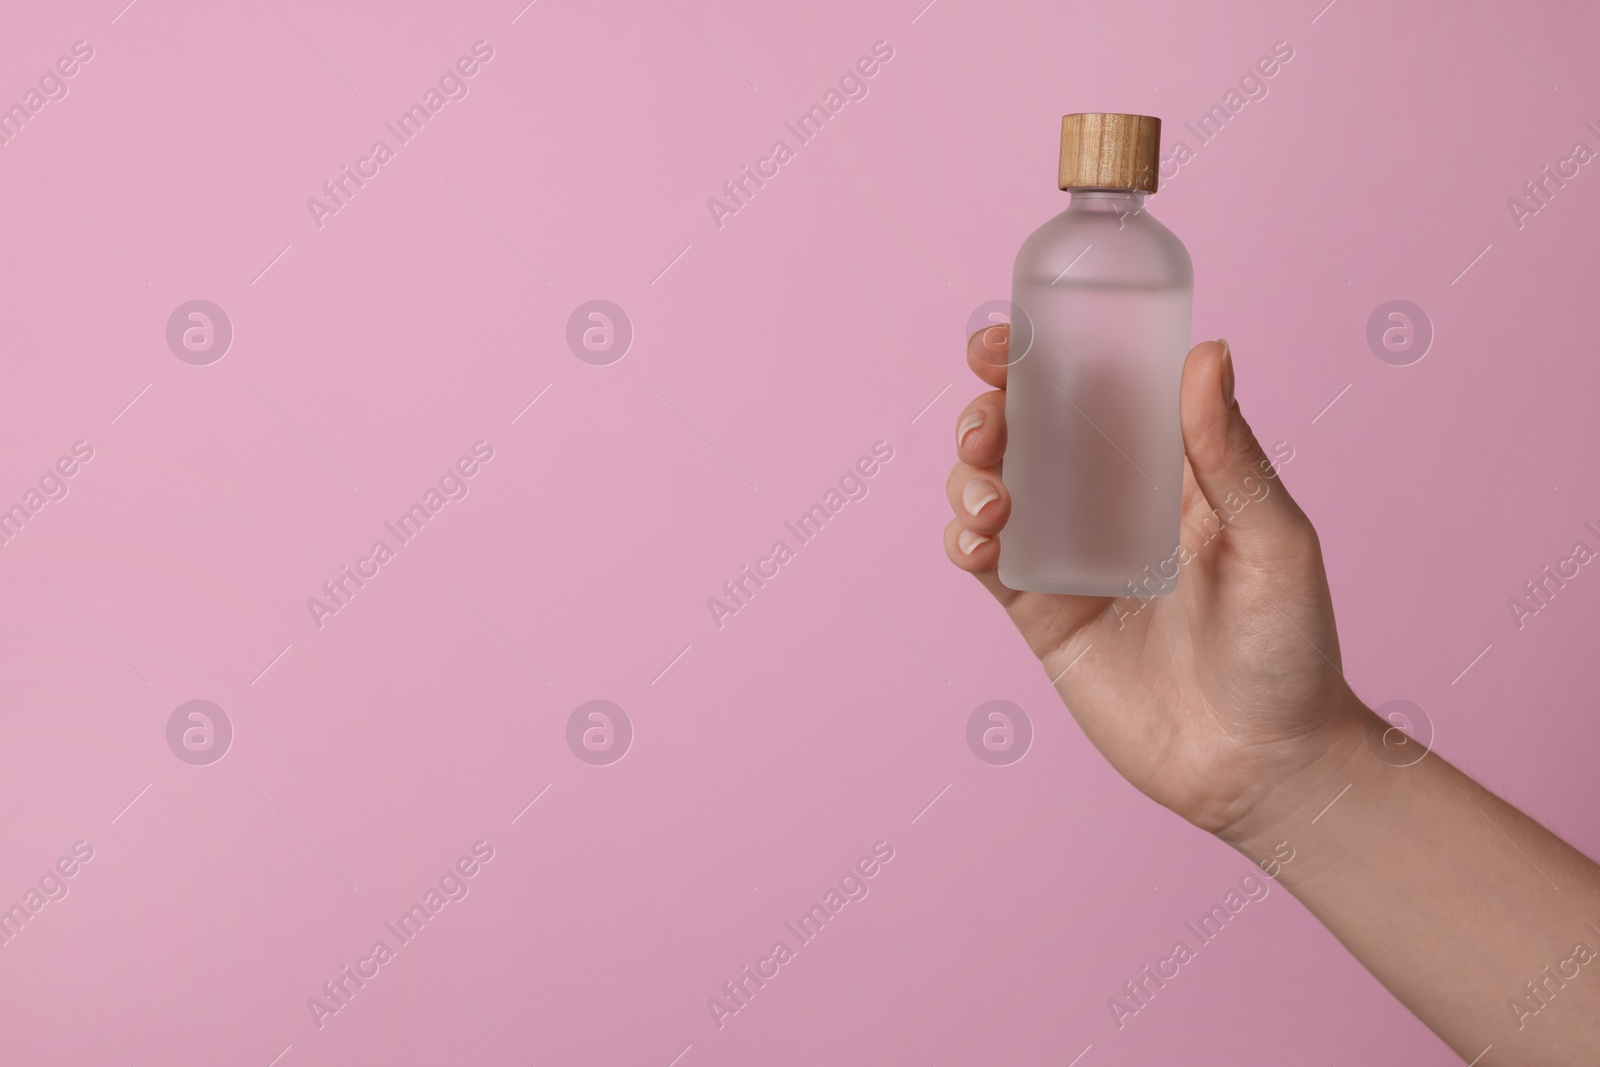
<point x="1226" y="702"/>
<point x="1211" y="700"/>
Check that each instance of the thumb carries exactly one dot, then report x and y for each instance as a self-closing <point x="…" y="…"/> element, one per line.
<point x="1232" y="470"/>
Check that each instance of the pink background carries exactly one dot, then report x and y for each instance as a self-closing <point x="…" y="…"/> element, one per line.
<point x="825" y="316"/>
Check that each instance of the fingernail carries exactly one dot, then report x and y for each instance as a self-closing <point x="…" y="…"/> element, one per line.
<point x="971" y="422"/>
<point x="976" y="493"/>
<point x="996" y="338"/>
<point x="1227" y="372"/>
<point x="969" y="542"/>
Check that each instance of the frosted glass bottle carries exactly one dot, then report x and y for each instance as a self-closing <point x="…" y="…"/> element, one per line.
<point x="1102" y="296"/>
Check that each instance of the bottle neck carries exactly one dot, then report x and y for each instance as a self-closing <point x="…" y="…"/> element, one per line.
<point x="1107" y="201"/>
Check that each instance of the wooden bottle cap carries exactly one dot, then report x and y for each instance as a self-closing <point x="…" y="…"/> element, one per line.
<point x="1103" y="151"/>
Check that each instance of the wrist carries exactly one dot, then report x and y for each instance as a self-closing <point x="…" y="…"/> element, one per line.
<point x="1303" y="784"/>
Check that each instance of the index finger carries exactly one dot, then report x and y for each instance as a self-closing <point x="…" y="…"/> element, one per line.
<point x="989" y="353"/>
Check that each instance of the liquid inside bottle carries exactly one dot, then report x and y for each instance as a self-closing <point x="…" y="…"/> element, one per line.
<point x="1102" y="296"/>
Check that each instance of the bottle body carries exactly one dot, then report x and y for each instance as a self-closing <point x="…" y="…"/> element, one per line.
<point x="1101" y="301"/>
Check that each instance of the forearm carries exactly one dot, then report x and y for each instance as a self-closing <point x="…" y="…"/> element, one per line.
<point x="1451" y="897"/>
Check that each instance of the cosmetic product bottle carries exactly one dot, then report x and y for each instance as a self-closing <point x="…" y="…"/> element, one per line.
<point x="1101" y="301"/>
